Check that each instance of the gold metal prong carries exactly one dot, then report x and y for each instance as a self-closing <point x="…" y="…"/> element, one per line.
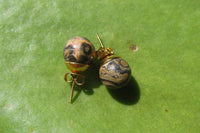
<point x="72" y="92"/>
<point x="100" y="40"/>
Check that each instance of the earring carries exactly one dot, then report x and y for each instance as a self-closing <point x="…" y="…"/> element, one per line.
<point x="114" y="71"/>
<point x="78" y="53"/>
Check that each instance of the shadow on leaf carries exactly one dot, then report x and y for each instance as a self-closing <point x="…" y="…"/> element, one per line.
<point x="128" y="95"/>
<point x="92" y="81"/>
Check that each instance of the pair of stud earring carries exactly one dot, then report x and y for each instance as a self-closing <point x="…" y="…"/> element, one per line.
<point x="79" y="53"/>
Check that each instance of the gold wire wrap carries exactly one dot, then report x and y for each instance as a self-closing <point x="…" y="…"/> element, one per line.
<point x="77" y="78"/>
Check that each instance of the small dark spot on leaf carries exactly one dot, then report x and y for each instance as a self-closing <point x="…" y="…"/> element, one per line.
<point x="133" y="48"/>
<point x="166" y="110"/>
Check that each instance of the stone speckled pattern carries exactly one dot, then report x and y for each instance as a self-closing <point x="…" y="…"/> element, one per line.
<point x="79" y="50"/>
<point x="115" y="72"/>
<point x="78" y="53"/>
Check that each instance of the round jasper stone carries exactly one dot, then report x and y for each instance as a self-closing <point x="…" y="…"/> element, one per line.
<point x="115" y="72"/>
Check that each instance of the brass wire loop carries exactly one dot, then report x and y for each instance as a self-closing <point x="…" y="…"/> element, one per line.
<point x="77" y="78"/>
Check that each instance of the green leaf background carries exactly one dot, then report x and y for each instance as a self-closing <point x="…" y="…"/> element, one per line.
<point x="164" y="92"/>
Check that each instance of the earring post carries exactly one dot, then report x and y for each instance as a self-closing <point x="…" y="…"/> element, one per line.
<point x="72" y="91"/>
<point x="99" y="40"/>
